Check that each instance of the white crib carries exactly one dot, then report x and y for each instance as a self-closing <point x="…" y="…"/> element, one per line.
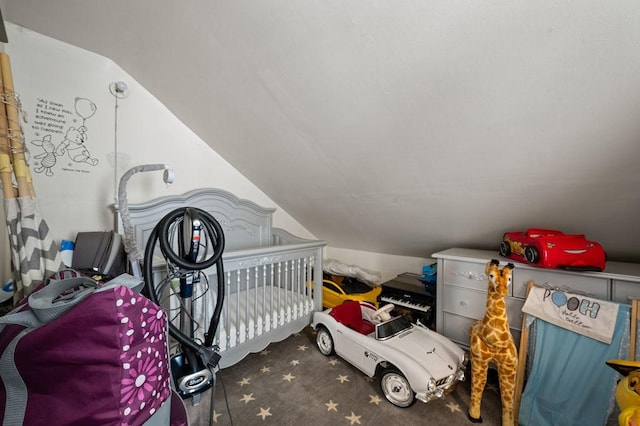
<point x="267" y="271"/>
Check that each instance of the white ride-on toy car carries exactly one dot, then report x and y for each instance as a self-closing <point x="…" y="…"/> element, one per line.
<point x="412" y="361"/>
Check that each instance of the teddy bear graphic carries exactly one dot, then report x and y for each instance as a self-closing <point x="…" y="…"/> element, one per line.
<point x="73" y="145"/>
<point x="48" y="157"/>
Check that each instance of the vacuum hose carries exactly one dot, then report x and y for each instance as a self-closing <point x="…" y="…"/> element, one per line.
<point x="162" y="232"/>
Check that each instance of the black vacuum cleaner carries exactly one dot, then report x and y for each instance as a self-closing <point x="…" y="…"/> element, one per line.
<point x="199" y="245"/>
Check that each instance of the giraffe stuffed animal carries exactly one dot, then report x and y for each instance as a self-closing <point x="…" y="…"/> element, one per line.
<point x="490" y="340"/>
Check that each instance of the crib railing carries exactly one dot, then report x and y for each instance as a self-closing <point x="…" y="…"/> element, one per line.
<point x="263" y="297"/>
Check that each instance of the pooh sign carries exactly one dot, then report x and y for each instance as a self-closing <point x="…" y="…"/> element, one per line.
<point x="581" y="314"/>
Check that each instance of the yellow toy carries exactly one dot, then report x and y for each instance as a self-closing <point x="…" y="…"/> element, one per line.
<point x="627" y="391"/>
<point x="490" y="340"/>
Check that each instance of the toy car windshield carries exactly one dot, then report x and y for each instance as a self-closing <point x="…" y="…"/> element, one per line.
<point x="392" y="327"/>
<point x="353" y="286"/>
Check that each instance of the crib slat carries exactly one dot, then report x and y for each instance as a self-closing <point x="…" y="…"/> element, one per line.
<point x="247" y="305"/>
<point x="256" y="316"/>
<point x="227" y="321"/>
<point x="280" y="285"/>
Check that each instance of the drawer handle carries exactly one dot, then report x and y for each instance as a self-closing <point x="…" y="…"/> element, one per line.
<point x="464" y="304"/>
<point x="471" y="275"/>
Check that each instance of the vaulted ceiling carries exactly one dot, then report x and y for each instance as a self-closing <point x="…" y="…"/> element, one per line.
<point x="397" y="127"/>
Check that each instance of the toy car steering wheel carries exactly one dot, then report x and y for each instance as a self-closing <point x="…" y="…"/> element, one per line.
<point x="383" y="313"/>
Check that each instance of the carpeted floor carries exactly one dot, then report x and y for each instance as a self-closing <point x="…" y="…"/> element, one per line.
<point x="291" y="383"/>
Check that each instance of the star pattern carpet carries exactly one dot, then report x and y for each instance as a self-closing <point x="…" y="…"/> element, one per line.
<point x="291" y="383"/>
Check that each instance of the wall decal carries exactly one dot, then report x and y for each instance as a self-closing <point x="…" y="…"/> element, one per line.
<point x="62" y="134"/>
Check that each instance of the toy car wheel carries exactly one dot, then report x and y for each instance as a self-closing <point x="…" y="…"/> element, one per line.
<point x="505" y="249"/>
<point x="396" y="388"/>
<point x="531" y="254"/>
<point x="324" y="341"/>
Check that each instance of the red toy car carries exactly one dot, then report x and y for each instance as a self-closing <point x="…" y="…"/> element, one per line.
<point x="548" y="248"/>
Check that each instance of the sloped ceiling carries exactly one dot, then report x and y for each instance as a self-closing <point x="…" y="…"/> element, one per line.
<point x="399" y="127"/>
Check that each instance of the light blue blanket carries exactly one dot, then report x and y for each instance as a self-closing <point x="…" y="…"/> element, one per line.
<point x="569" y="383"/>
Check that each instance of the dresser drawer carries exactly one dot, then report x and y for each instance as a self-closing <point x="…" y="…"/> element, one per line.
<point x="574" y="282"/>
<point x="625" y="291"/>
<point x="468" y="303"/>
<point x="456" y="328"/>
<point x="472" y="304"/>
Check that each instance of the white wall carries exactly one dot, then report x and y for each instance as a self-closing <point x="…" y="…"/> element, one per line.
<point x="63" y="88"/>
<point x="50" y="75"/>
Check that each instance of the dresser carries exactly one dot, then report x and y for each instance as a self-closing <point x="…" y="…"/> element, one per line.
<point x="462" y="288"/>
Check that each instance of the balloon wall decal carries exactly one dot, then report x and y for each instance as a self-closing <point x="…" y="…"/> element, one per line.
<point x="85" y="108"/>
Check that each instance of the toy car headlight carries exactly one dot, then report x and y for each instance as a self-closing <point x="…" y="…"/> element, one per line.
<point x="431" y="385"/>
<point x="465" y="359"/>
